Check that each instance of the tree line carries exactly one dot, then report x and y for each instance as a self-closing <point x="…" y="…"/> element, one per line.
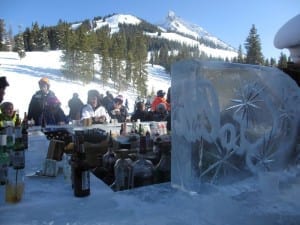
<point x="99" y="55"/>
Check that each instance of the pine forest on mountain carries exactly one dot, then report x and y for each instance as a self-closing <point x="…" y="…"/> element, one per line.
<point x="121" y="57"/>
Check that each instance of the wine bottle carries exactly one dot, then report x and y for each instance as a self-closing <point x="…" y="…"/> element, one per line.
<point x="4" y="160"/>
<point x="18" y="154"/>
<point x="24" y="126"/>
<point x="80" y="168"/>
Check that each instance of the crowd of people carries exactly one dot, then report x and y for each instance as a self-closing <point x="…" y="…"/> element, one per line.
<point x="45" y="107"/>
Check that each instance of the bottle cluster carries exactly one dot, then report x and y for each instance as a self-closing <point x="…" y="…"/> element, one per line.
<point x="13" y="143"/>
<point x="124" y="167"/>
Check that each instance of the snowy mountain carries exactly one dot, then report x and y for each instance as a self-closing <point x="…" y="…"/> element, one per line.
<point x="173" y="29"/>
<point x="178" y="25"/>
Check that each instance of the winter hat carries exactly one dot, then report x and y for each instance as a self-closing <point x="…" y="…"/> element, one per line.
<point x="93" y="93"/>
<point x="53" y="100"/>
<point x="119" y="98"/>
<point x="3" y="82"/>
<point x="160" y="93"/>
<point x="44" y="80"/>
<point x="161" y="107"/>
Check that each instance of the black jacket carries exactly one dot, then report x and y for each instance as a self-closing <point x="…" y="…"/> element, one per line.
<point x="38" y="109"/>
<point x="75" y="105"/>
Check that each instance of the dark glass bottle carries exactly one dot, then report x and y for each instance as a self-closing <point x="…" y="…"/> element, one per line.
<point x="24" y="126"/>
<point x="162" y="171"/>
<point x="18" y="153"/>
<point x="142" y="172"/>
<point x="122" y="170"/>
<point x="80" y="168"/>
<point x="108" y="161"/>
<point x="10" y="140"/>
<point x="4" y="160"/>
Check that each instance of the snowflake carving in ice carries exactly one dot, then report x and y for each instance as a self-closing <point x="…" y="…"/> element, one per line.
<point x="247" y="102"/>
<point x="285" y="116"/>
<point x="220" y="161"/>
<point x="263" y="156"/>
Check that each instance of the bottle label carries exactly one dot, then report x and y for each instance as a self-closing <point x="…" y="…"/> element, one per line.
<point x="85" y="183"/>
<point x="18" y="159"/>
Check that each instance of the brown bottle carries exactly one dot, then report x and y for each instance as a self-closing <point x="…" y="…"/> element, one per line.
<point x="80" y="168"/>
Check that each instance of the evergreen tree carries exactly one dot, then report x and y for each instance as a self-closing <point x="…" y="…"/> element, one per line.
<point x="2" y="34"/>
<point x="19" y="45"/>
<point x="102" y="48"/>
<point x="272" y="62"/>
<point x="240" y="57"/>
<point x="282" y="62"/>
<point x="78" y="57"/>
<point x="11" y="39"/>
<point x="62" y="31"/>
<point x="267" y="63"/>
<point x="140" y="63"/>
<point x="42" y="41"/>
<point x="253" y="48"/>
<point x="5" y="43"/>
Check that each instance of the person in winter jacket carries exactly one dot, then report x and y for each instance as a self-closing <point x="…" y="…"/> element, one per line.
<point x="140" y="113"/>
<point x="75" y="104"/>
<point x="54" y="115"/>
<point x="40" y="104"/>
<point x="8" y="113"/>
<point x="3" y="85"/>
<point x="94" y="110"/>
<point x="117" y="110"/>
<point x="160" y="98"/>
<point x="161" y="113"/>
<point x="107" y="100"/>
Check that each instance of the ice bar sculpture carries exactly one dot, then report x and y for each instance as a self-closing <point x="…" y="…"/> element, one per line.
<point x="230" y="121"/>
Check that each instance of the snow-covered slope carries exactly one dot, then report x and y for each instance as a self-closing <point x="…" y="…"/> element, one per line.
<point x="179" y="25"/>
<point x="173" y="29"/>
<point x="23" y="76"/>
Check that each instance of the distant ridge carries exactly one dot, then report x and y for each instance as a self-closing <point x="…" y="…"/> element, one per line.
<point x="173" y="29"/>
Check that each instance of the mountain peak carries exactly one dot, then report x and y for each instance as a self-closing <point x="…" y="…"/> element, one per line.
<point x="176" y="24"/>
<point x="171" y="15"/>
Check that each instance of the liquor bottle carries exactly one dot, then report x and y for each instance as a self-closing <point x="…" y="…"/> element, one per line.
<point x="24" y="126"/>
<point x="18" y="154"/>
<point x="123" y="130"/>
<point x="4" y="160"/>
<point x="142" y="169"/>
<point x="149" y="142"/>
<point x="142" y="172"/>
<point x="80" y="168"/>
<point x="10" y="139"/>
<point x="108" y="161"/>
<point x="162" y="171"/>
<point x="122" y="170"/>
<point x="143" y="143"/>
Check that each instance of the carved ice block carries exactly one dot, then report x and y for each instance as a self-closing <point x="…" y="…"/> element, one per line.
<point x="230" y="121"/>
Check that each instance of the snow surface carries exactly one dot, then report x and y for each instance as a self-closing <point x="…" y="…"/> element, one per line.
<point x="50" y="201"/>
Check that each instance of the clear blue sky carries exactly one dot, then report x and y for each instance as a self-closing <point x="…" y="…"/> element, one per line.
<point x="229" y="20"/>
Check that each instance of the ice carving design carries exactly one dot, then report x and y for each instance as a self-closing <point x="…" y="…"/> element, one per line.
<point x="230" y="121"/>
